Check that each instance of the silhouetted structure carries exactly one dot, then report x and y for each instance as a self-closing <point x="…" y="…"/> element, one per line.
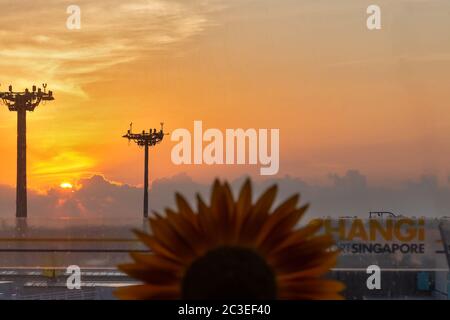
<point x="146" y="140"/>
<point x="21" y="102"/>
<point x="381" y="214"/>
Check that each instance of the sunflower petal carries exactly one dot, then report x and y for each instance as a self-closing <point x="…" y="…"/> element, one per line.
<point x="206" y="222"/>
<point x="278" y="227"/>
<point x="229" y="201"/>
<point x="313" y="286"/>
<point x="284" y="209"/>
<point x="319" y="270"/>
<point x="185" y="209"/>
<point x="154" y="261"/>
<point x="150" y="274"/>
<point x="190" y="234"/>
<point x="216" y="190"/>
<point x="157" y="247"/>
<point x="257" y="217"/>
<point x="299" y="236"/>
<point x="170" y="238"/>
<point x="147" y="292"/>
<point x="302" y="256"/>
<point x="243" y="206"/>
<point x="265" y="202"/>
<point x="222" y="209"/>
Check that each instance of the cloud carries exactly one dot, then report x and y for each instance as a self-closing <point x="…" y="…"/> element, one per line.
<point x="98" y="200"/>
<point x="352" y="195"/>
<point x="36" y="42"/>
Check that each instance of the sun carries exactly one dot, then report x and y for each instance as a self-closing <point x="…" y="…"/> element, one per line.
<point x="66" y="185"/>
<point x="233" y="248"/>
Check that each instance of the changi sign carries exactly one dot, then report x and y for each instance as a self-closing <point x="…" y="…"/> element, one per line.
<point x="383" y="236"/>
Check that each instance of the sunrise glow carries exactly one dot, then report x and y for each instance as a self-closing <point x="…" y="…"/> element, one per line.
<point x="66" y="185"/>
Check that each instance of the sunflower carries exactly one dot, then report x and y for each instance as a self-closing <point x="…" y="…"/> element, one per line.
<point x="233" y="249"/>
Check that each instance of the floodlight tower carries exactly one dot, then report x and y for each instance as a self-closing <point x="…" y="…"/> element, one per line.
<point x="21" y="102"/>
<point x="146" y="140"/>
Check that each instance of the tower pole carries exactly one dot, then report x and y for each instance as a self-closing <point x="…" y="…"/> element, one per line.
<point x="22" y="102"/>
<point x="146" y="140"/>
<point x="146" y="182"/>
<point x="21" y="195"/>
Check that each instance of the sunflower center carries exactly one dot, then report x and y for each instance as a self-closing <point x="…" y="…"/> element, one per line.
<point x="229" y="273"/>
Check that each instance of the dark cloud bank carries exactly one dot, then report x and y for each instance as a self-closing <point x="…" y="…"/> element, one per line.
<point x="347" y="195"/>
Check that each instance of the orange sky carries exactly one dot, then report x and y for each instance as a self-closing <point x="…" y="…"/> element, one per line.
<point x="343" y="97"/>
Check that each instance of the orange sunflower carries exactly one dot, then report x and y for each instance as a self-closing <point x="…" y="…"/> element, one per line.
<point x="233" y="249"/>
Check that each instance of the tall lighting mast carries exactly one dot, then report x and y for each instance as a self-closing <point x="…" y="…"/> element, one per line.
<point x="21" y="102"/>
<point x="146" y="140"/>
